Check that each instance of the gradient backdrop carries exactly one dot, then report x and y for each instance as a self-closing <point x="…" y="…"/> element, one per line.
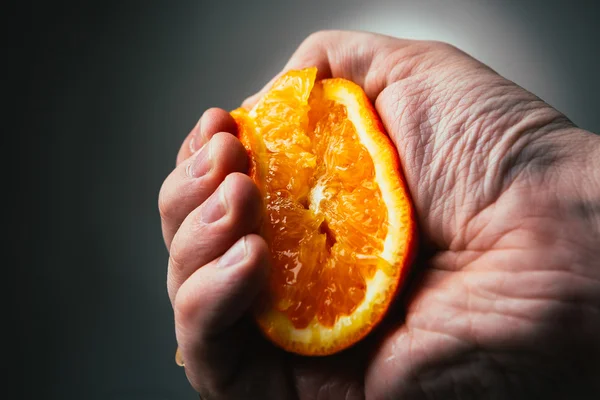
<point x="108" y="92"/>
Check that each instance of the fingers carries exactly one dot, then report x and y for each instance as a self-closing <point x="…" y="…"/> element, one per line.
<point x="208" y="307"/>
<point x="212" y="121"/>
<point x="232" y="211"/>
<point x="195" y="179"/>
<point x="351" y="55"/>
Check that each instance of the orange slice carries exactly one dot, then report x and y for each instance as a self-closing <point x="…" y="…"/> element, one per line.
<point x="339" y="224"/>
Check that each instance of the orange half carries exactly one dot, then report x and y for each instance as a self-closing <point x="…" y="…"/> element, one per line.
<point x="339" y="221"/>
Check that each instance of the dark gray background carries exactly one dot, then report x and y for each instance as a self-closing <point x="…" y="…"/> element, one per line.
<point x="104" y="94"/>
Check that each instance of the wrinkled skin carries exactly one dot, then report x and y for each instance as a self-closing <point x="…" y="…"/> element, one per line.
<point x="505" y="299"/>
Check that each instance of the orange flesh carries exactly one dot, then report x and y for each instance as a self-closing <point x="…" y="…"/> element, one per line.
<point x="326" y="220"/>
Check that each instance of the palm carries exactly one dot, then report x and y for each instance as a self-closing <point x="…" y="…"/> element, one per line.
<point x="465" y="303"/>
<point x="467" y="316"/>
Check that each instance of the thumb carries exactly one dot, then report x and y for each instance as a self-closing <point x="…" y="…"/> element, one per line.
<point x="343" y="54"/>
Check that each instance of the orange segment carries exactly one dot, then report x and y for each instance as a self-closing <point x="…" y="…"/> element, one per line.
<point x="339" y="224"/>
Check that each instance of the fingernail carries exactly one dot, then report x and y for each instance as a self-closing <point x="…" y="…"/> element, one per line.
<point x="179" y="358"/>
<point x="203" y="162"/>
<point x="196" y="142"/>
<point x="234" y="255"/>
<point x="214" y="208"/>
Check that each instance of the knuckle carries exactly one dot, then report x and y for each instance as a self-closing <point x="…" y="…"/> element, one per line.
<point x="237" y="181"/>
<point x="165" y="203"/>
<point x="177" y="257"/>
<point x="185" y="307"/>
<point x="242" y="192"/>
<point x="172" y="284"/>
<point x="229" y="154"/>
<point x="256" y="245"/>
<point x="173" y="191"/>
<point x="226" y="143"/>
<point x="258" y="250"/>
<point x="223" y="137"/>
<point x="211" y="117"/>
<point x="244" y="204"/>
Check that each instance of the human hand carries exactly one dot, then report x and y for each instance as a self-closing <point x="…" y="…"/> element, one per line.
<point x="506" y="303"/>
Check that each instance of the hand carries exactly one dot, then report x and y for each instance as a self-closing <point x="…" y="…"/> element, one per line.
<point x="506" y="299"/>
